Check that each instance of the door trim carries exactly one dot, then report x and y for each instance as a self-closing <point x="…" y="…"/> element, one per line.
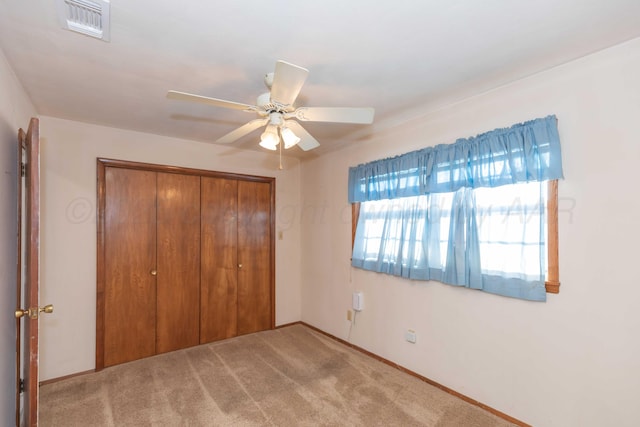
<point x="20" y="180"/>
<point x="102" y="164"/>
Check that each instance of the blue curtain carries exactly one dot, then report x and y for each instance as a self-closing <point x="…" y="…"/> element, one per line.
<point x="524" y="152"/>
<point x="434" y="214"/>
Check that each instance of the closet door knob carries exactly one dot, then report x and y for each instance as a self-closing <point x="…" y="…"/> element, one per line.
<point x="239" y="265"/>
<point x="153" y="272"/>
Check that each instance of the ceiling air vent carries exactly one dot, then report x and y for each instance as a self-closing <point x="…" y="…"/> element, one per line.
<point x="90" y="17"/>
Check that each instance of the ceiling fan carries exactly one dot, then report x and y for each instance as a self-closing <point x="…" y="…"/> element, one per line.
<point x="277" y="113"/>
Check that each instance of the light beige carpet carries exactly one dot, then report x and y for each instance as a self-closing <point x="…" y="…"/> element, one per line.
<point x="292" y="376"/>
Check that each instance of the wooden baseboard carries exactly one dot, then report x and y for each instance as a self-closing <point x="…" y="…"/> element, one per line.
<point x="291" y="324"/>
<point x="66" y="377"/>
<point x="416" y="375"/>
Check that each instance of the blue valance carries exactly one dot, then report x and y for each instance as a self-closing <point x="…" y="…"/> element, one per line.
<point x="524" y="152"/>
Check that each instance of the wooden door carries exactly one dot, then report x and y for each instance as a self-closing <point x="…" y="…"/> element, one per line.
<point x="178" y="271"/>
<point x="219" y="266"/>
<point x="169" y="274"/>
<point x="129" y="312"/>
<point x="255" y="303"/>
<point x="28" y="274"/>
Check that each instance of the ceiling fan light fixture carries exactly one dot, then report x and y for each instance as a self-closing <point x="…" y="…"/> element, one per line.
<point x="290" y="139"/>
<point x="275" y="107"/>
<point x="269" y="138"/>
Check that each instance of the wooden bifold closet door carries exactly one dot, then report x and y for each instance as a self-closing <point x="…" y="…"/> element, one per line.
<point x="130" y="248"/>
<point x="236" y="271"/>
<point x="184" y="257"/>
<point x="219" y="269"/>
<point x="178" y="268"/>
<point x="254" y="246"/>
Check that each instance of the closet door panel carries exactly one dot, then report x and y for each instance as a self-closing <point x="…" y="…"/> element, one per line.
<point x="178" y="268"/>
<point x="254" y="254"/>
<point x="130" y="251"/>
<point x="219" y="262"/>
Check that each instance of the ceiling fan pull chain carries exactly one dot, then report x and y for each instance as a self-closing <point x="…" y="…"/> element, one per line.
<point x="280" y="166"/>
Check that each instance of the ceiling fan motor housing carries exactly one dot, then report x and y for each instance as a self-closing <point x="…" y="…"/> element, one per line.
<point x="264" y="100"/>
<point x="275" y="118"/>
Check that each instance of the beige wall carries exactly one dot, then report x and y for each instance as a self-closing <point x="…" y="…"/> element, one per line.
<point x="69" y="152"/>
<point x="15" y="111"/>
<point x="572" y="361"/>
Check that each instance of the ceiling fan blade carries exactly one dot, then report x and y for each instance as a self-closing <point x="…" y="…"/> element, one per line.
<point x="287" y="82"/>
<point x="307" y="142"/>
<point x="335" y="115"/>
<point x="242" y="131"/>
<point x="182" y="96"/>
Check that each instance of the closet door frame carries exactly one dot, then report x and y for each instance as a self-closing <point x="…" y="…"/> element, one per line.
<point x="102" y="165"/>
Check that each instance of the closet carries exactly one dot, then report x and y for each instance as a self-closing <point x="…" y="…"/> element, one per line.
<point x="185" y="257"/>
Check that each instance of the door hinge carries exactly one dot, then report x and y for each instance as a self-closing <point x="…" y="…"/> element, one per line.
<point x="21" y="385"/>
<point x="23" y="169"/>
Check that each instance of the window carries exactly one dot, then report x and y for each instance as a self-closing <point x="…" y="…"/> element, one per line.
<point x="504" y="215"/>
<point x="480" y="213"/>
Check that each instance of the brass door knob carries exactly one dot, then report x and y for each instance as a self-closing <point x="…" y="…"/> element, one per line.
<point x="47" y="309"/>
<point x="34" y="311"/>
<point x="239" y="265"/>
<point x="154" y="272"/>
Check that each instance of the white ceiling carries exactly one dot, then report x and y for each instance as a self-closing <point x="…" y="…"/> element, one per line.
<point x="401" y="57"/>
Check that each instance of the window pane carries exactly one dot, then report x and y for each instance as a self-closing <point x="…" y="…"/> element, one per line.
<point x="511" y="229"/>
<point x="501" y="231"/>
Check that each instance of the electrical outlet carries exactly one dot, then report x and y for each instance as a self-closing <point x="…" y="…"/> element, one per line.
<point x="349" y="315"/>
